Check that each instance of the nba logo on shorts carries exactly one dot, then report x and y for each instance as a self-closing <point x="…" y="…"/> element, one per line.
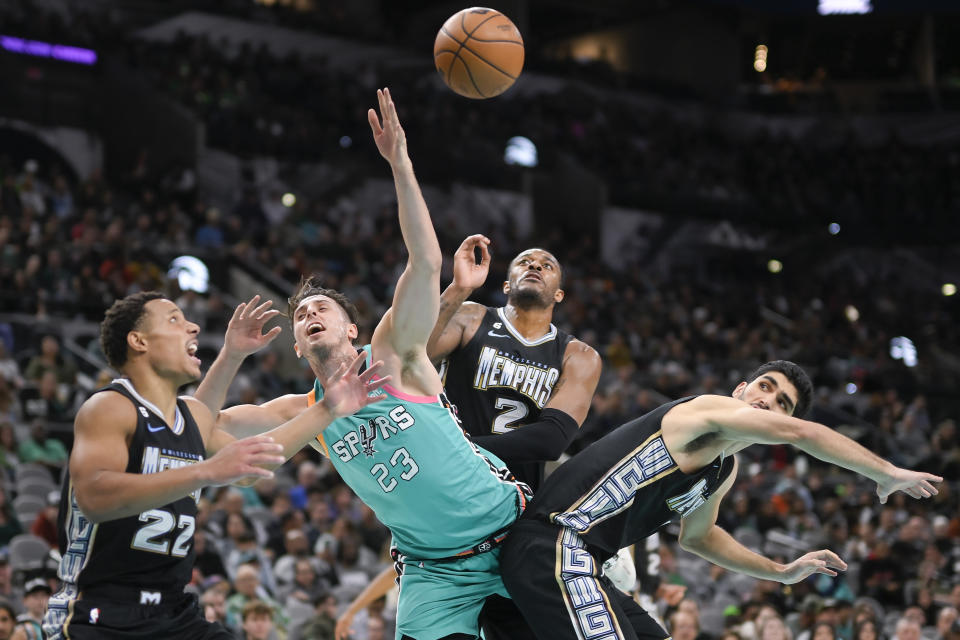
<point x="94" y="615"/>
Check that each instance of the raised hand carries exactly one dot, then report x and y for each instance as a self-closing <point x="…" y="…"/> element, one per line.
<point x="347" y="392"/>
<point x="915" y="484"/>
<point x="823" y="561"/>
<point x="390" y="138"/>
<point x="240" y="460"/>
<point x="344" y="627"/>
<point x="466" y="272"/>
<point x="245" y="331"/>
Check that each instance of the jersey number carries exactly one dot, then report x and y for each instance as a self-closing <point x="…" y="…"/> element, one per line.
<point x="159" y="524"/>
<point x="515" y="412"/>
<point x="382" y="473"/>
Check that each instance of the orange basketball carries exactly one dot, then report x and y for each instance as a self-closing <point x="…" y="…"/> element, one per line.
<point x="478" y="52"/>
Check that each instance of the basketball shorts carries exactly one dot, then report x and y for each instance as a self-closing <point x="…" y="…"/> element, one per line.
<point x="558" y="586"/>
<point x="97" y="616"/>
<point x="439" y="599"/>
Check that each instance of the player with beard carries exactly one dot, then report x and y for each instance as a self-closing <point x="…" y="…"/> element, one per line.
<point x="674" y="462"/>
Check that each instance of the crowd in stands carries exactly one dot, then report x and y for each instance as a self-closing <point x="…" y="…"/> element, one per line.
<point x="280" y="560"/>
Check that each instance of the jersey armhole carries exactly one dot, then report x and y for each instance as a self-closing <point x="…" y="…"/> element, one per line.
<point x="312" y="400"/>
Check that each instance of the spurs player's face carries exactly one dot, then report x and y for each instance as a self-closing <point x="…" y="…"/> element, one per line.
<point x="320" y="325"/>
<point x="534" y="277"/>
<point x="771" y="391"/>
<point x="172" y="340"/>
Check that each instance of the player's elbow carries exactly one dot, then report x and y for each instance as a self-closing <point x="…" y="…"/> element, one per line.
<point x="92" y="505"/>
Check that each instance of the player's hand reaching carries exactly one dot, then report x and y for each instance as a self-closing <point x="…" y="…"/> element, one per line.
<point x="915" y="484"/>
<point x="245" y="331"/>
<point x="344" y="628"/>
<point x="823" y="561"/>
<point x="348" y="392"/>
<point x="467" y="274"/>
<point x="242" y="460"/>
<point x="389" y="136"/>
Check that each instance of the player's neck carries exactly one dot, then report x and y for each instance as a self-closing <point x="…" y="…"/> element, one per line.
<point x="326" y="365"/>
<point x="159" y="390"/>
<point x="531" y="322"/>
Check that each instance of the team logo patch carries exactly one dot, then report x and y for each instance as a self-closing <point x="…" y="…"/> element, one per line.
<point x="94" y="615"/>
<point x="368" y="433"/>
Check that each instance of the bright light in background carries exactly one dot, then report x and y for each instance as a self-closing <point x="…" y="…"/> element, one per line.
<point x="948" y="289"/>
<point x="851" y="388"/>
<point x="833" y="228"/>
<point x="775" y="266"/>
<point x="190" y="273"/>
<point x="346" y="142"/>
<point x="902" y="348"/>
<point x="760" y="58"/>
<point x="288" y="200"/>
<point x="826" y="7"/>
<point x="521" y="151"/>
<point x="852" y="313"/>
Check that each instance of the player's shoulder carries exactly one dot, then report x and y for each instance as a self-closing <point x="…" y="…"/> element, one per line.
<point x="580" y="353"/>
<point x="108" y="408"/>
<point x="707" y="402"/>
<point x="470" y="316"/>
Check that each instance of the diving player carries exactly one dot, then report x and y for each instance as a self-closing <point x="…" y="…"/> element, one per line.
<point x="674" y="462"/>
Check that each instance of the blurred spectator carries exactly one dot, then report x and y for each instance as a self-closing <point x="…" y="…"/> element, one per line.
<point x="945" y="619"/>
<point x="45" y="524"/>
<point x="866" y="630"/>
<point x="9" y="525"/>
<point x="208" y="561"/>
<point x="8" y="619"/>
<point x="248" y="589"/>
<point x="214" y="603"/>
<point x="9" y="369"/>
<point x="36" y="593"/>
<point x="906" y="629"/>
<point x="774" y="628"/>
<point x="321" y="626"/>
<point x="8" y="449"/>
<point x="683" y="626"/>
<point x="257" y="621"/>
<point x="7" y="592"/>
<point x="50" y="359"/>
<point x="43" y="401"/>
<point x="40" y="449"/>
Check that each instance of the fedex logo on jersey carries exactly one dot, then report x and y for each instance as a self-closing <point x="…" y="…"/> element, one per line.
<point x="156" y="459"/>
<point x="497" y="369"/>
<point x="363" y="438"/>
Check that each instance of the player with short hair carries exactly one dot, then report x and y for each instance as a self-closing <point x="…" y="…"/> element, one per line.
<point x="141" y="455"/>
<point x="674" y="462"/>
<point x="447" y="503"/>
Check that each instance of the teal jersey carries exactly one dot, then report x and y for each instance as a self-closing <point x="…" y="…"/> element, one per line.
<point x="407" y="458"/>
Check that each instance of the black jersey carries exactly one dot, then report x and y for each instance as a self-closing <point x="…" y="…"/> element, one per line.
<point x="153" y="550"/>
<point x="625" y="486"/>
<point x="501" y="381"/>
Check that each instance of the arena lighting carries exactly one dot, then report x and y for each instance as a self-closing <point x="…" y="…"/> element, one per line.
<point x="76" y="55"/>
<point x="760" y="58"/>
<point x="520" y="151"/>
<point x="828" y="7"/>
<point x="774" y="266"/>
<point x="833" y="228"/>
<point x="190" y="273"/>
<point x="948" y="289"/>
<point x="902" y="348"/>
<point x="851" y="388"/>
<point x="288" y="200"/>
<point x="852" y="313"/>
<point x="346" y="142"/>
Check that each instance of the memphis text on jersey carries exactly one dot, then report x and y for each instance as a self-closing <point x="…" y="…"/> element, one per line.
<point x="157" y="459"/>
<point x="496" y="369"/>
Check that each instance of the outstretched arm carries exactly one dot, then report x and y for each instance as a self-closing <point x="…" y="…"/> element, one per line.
<point x="738" y="422"/>
<point x="451" y="323"/>
<point x="243" y="337"/>
<point x="416" y="299"/>
<point x="700" y="534"/>
<point x="377" y="588"/>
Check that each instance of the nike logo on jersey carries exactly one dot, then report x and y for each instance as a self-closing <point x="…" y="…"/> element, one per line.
<point x="497" y="335"/>
<point x="153" y="429"/>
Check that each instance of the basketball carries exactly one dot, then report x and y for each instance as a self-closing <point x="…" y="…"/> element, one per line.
<point x="478" y="52"/>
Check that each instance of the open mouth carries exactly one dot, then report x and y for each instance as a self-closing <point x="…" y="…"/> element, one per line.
<point x="531" y="276"/>
<point x="192" y="352"/>
<point x="314" y="329"/>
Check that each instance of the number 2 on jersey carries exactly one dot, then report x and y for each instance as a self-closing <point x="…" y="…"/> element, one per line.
<point x="402" y="457"/>
<point x="515" y="412"/>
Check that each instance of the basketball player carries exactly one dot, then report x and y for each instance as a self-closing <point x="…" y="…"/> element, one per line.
<point x="447" y="502"/>
<point x="521" y="387"/>
<point x="676" y="461"/>
<point x="141" y="455"/>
